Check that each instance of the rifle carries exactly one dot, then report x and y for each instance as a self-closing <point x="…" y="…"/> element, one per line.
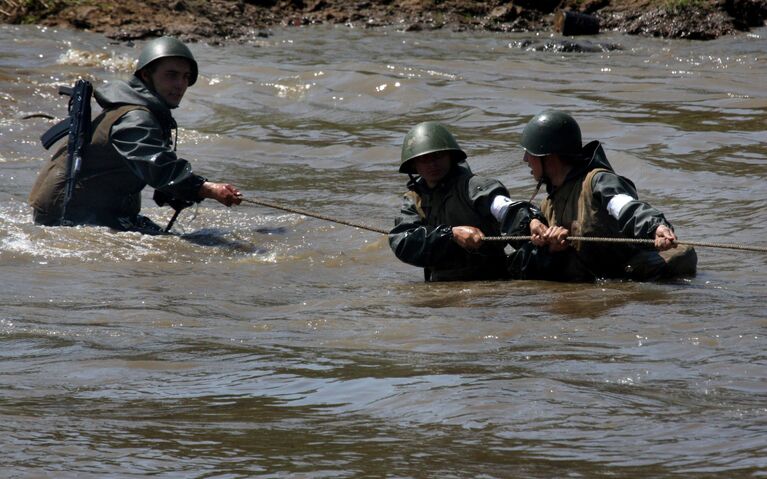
<point x="162" y="199"/>
<point x="79" y="136"/>
<point x="78" y="126"/>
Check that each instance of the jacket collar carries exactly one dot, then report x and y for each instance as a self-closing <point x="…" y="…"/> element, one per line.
<point x="594" y="157"/>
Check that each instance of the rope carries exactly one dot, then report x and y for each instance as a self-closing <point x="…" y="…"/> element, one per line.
<point x="596" y="239"/>
<point x="313" y="215"/>
<point x="593" y="239"/>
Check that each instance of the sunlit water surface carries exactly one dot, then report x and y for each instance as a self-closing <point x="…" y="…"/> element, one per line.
<point x="269" y="344"/>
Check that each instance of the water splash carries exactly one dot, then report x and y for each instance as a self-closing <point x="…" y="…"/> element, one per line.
<point x="109" y="61"/>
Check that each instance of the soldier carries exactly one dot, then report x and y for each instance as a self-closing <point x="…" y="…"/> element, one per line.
<point x="448" y="211"/>
<point x="131" y="146"/>
<point x="587" y="198"/>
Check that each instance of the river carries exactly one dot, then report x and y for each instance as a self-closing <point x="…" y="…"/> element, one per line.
<point x="270" y="344"/>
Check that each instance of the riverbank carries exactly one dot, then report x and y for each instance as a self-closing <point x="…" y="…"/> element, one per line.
<point x="236" y="20"/>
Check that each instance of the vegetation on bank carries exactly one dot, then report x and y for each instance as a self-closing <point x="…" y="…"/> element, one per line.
<point x="33" y="11"/>
<point x="220" y="20"/>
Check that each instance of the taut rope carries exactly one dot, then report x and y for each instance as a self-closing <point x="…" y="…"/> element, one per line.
<point x="313" y="215"/>
<point x="594" y="239"/>
<point x="597" y="239"/>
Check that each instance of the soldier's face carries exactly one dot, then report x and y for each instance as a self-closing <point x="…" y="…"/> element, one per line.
<point x="170" y="79"/>
<point x="535" y="164"/>
<point x="433" y="167"/>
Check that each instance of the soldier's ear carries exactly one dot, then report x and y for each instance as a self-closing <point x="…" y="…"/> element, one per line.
<point x="145" y="76"/>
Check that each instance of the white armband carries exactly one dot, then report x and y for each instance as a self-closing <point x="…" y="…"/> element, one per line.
<point x="499" y="207"/>
<point x="617" y="203"/>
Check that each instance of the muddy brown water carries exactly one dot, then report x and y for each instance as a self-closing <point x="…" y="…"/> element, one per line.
<point x="267" y="344"/>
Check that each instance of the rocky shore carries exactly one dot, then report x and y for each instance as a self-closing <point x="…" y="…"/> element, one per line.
<point x="218" y="21"/>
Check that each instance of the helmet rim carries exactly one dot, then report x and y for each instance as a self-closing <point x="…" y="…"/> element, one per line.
<point x="166" y="47"/>
<point x="552" y="132"/>
<point x="426" y="138"/>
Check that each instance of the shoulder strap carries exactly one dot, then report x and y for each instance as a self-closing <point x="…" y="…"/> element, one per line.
<point x="102" y="124"/>
<point x="588" y="189"/>
<point x="116" y="113"/>
<point x="585" y="207"/>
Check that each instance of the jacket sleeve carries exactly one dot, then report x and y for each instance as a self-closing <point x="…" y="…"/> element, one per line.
<point x="482" y="191"/>
<point x="516" y="217"/>
<point x="141" y="142"/>
<point x="491" y="197"/>
<point x="618" y="197"/>
<point x="415" y="243"/>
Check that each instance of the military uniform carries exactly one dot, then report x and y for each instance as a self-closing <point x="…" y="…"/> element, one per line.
<point x="422" y="235"/>
<point x="594" y="201"/>
<point x="582" y="205"/>
<point x="131" y="146"/>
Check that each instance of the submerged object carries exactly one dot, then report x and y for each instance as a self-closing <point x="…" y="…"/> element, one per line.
<point x="570" y="23"/>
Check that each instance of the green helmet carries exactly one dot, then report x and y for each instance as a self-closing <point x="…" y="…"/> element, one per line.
<point x="552" y="131"/>
<point x="164" y="47"/>
<point x="424" y="138"/>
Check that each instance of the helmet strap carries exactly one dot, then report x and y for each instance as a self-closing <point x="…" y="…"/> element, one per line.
<point x="412" y="182"/>
<point x="537" y="189"/>
<point x="544" y="176"/>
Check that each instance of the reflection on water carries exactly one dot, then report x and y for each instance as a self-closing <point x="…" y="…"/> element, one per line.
<point x="255" y="343"/>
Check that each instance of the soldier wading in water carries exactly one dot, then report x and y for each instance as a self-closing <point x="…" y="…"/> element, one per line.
<point x="448" y="211"/>
<point x="131" y="146"/>
<point x="587" y="198"/>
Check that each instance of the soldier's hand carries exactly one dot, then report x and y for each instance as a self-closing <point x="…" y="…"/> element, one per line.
<point x="468" y="237"/>
<point x="225" y="194"/>
<point x="537" y="230"/>
<point x="556" y="238"/>
<point x="664" y="238"/>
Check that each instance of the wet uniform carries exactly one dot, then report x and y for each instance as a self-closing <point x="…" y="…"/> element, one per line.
<point x="131" y="147"/>
<point x="595" y="201"/>
<point x="422" y="235"/>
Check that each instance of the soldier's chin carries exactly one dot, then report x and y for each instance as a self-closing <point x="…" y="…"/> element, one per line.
<point x="172" y="102"/>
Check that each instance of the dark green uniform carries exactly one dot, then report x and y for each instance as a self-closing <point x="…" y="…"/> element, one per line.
<point x="131" y="147"/>
<point x="423" y="232"/>
<point x="594" y="201"/>
<point x="422" y="235"/>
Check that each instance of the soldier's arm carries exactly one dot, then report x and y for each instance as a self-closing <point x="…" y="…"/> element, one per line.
<point x="416" y="243"/>
<point x="138" y="138"/>
<point x="618" y="196"/>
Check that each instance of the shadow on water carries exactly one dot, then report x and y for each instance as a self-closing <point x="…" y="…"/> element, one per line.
<point x="222" y="238"/>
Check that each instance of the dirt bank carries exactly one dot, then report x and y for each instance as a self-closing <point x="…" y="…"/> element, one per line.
<point x="233" y="20"/>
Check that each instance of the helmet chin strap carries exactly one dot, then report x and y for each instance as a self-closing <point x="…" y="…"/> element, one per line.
<point x="537" y="189"/>
<point x="413" y="180"/>
<point x="544" y="179"/>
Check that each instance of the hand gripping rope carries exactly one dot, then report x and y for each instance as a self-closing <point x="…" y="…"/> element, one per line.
<point x="269" y="204"/>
